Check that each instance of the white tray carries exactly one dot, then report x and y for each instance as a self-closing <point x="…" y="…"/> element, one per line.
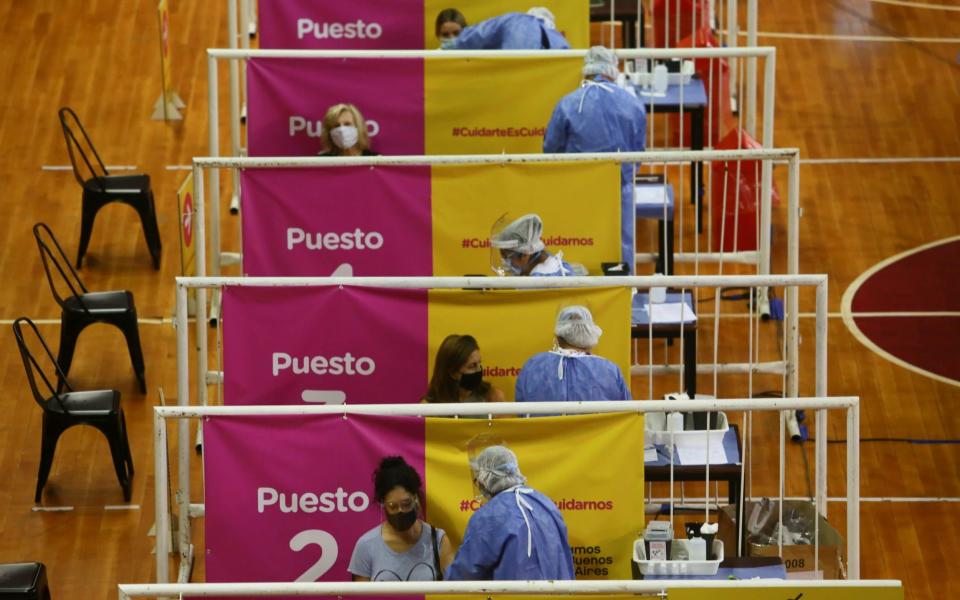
<point x="655" y="432"/>
<point x="677" y="567"/>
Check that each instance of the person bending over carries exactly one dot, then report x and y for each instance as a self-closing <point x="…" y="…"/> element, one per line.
<point x="522" y="252"/>
<point x="534" y="30"/>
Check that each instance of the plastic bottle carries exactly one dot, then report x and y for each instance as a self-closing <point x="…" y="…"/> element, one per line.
<point x="697" y="548"/>
<point x="660" y="79"/>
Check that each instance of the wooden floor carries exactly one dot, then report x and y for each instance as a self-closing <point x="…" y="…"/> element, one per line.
<point x="835" y="99"/>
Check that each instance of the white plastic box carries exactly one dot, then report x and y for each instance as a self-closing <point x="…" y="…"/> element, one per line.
<point x="655" y="432"/>
<point x="677" y="567"/>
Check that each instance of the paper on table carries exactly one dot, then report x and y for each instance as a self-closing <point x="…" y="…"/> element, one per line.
<point x="651" y="194"/>
<point x="649" y="454"/>
<point x="697" y="455"/>
<point x="670" y="312"/>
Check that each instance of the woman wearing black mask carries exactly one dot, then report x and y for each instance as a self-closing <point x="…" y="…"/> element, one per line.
<point x="458" y="374"/>
<point x="403" y="547"/>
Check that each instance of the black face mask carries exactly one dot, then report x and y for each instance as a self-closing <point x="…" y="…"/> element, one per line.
<point x="402" y="521"/>
<point x="471" y="381"/>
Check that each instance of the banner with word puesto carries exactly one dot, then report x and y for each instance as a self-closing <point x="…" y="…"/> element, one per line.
<point x="578" y="202"/>
<point x="352" y="221"/>
<point x="512" y="325"/>
<point x="441" y="105"/>
<point x="323" y="345"/>
<point x="288" y="98"/>
<point x="327" y="345"/>
<point x="339" y="25"/>
<point x="287" y="497"/>
<point x="393" y="24"/>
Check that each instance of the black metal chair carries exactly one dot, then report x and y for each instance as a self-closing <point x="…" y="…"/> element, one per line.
<point x="81" y="307"/>
<point x="101" y="188"/>
<point x="24" y="581"/>
<point x="61" y="411"/>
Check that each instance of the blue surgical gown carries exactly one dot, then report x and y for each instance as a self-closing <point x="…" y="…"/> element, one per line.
<point x="601" y="117"/>
<point x="511" y="31"/>
<point x="554" y="266"/>
<point x="584" y="377"/>
<point x="495" y="544"/>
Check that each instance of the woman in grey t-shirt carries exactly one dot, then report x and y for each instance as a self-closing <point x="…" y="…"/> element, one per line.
<point x="403" y="547"/>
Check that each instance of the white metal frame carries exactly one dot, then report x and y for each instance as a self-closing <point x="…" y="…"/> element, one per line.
<point x="204" y="378"/>
<point x="761" y="258"/>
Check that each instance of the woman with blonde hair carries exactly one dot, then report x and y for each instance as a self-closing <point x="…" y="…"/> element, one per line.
<point x="345" y="132"/>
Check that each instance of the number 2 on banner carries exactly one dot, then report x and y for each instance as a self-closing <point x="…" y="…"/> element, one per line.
<point x="328" y="552"/>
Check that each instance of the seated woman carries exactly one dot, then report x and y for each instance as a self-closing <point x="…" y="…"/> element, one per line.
<point x="458" y="374"/>
<point x="403" y="547"/>
<point x="522" y="252"/>
<point x="570" y="372"/>
<point x="450" y="22"/>
<point x="534" y="30"/>
<point x="345" y="132"/>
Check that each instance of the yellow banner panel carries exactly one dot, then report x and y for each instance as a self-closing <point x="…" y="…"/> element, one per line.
<point x="573" y="18"/>
<point x="573" y="460"/>
<point x="786" y="593"/>
<point x="188" y="250"/>
<point x="513" y="325"/>
<point x="578" y="202"/>
<point x="493" y="105"/>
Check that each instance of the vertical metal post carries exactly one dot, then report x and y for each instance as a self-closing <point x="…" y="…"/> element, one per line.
<point x="183" y="427"/>
<point x="234" y="105"/>
<point x="766" y="177"/>
<point x="162" y="507"/>
<point x="751" y="100"/>
<point x="732" y="32"/>
<point x="821" y="391"/>
<point x="214" y="133"/>
<point x="853" y="491"/>
<point x="793" y="268"/>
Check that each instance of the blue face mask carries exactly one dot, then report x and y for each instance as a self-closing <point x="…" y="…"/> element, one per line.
<point x="448" y="43"/>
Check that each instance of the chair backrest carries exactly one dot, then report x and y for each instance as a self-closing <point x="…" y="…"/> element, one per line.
<point x="70" y="124"/>
<point x="68" y="275"/>
<point x="33" y="368"/>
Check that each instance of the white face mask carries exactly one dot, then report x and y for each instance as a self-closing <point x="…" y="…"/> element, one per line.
<point x="345" y="136"/>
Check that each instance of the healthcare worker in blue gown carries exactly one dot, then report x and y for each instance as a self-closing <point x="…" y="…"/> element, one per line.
<point x="518" y="534"/>
<point x="518" y="250"/>
<point x="570" y="372"/>
<point x="533" y="30"/>
<point x="600" y="116"/>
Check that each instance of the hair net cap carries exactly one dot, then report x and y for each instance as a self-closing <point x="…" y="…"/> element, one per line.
<point x="523" y="235"/>
<point x="544" y="15"/>
<point x="601" y="61"/>
<point x="576" y="327"/>
<point x="497" y="469"/>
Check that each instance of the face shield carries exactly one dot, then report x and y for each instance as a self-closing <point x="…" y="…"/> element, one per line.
<point x="514" y="242"/>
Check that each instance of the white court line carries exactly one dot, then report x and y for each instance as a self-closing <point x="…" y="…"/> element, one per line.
<point x="880" y="160"/>
<point x="121" y="507"/>
<point x="848" y="315"/>
<point x="179" y="167"/>
<point x="927" y="5"/>
<point x="70" y="168"/>
<point x="51" y="508"/>
<point x="853" y="38"/>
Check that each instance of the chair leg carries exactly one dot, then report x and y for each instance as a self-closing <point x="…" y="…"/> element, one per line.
<point x="69" y="332"/>
<point x="113" y="431"/>
<point x="48" y="447"/>
<point x="148" y="217"/>
<point x="126" y="445"/>
<point x="88" y="214"/>
<point x="132" y="334"/>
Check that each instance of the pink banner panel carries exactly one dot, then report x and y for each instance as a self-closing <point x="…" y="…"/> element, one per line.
<point x="358" y="221"/>
<point x="288" y="97"/>
<point x="324" y="345"/>
<point x="288" y="496"/>
<point x="339" y="25"/>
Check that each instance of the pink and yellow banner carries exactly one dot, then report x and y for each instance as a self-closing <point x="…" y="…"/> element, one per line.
<point x="287" y="100"/>
<point x="350" y="221"/>
<point x="416" y="220"/>
<point x="287" y="497"/>
<point x="412" y="106"/>
<point x="378" y="345"/>
<point x="392" y="24"/>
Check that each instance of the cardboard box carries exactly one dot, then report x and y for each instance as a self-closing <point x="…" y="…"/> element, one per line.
<point x="798" y="559"/>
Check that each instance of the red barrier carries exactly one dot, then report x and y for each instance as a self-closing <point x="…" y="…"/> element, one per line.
<point x="736" y="215"/>
<point x="693" y="15"/>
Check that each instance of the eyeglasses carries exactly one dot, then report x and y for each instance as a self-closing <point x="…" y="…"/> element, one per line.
<point x="403" y="506"/>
